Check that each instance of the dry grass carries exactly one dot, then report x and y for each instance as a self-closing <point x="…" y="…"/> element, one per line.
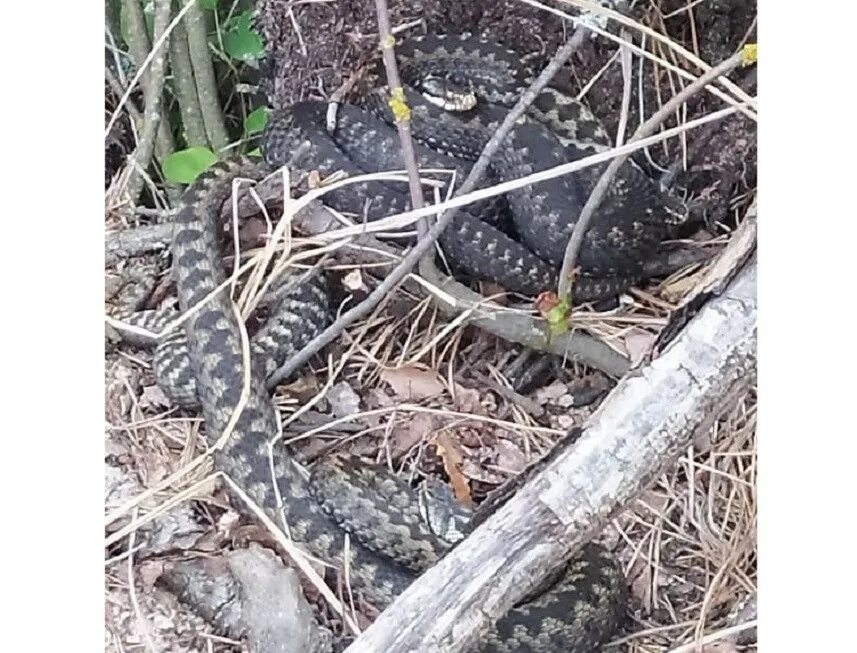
<point x="688" y="544"/>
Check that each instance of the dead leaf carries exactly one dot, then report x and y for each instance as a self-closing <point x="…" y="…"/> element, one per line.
<point x="510" y="458"/>
<point x="343" y="400"/>
<point x="150" y="571"/>
<point x="638" y="344"/>
<point x="378" y="398"/>
<point x="153" y="397"/>
<point x="412" y="383"/>
<point x="477" y="472"/>
<point x="677" y="289"/>
<point x="452" y="463"/>
<point x="641" y="583"/>
<point x="467" y="400"/>
<point x="353" y="281"/>
<point x="403" y="439"/>
<point x="253" y="232"/>
<point x="550" y="392"/>
<point x="655" y="501"/>
<point x="495" y="291"/>
<point x="546" y="302"/>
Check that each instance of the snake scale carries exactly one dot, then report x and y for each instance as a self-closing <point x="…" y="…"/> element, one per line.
<point x="203" y="363"/>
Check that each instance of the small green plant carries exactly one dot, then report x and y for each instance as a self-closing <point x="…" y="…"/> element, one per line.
<point x="240" y="40"/>
<point x="184" y="166"/>
<point x="256" y="121"/>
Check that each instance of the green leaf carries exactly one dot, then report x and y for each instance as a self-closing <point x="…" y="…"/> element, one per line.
<point x="240" y="41"/>
<point x="256" y="152"/>
<point x="242" y="22"/>
<point x="184" y="166"/>
<point x="256" y="121"/>
<point x="211" y="5"/>
<point x="243" y="45"/>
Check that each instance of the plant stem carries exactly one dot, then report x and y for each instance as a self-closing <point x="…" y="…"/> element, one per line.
<point x="206" y="83"/>
<point x="185" y="88"/>
<point x="153" y="86"/>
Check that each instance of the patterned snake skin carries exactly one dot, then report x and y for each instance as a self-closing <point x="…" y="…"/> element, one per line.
<point x="576" y="614"/>
<point x="202" y="363"/>
<point x="632" y="221"/>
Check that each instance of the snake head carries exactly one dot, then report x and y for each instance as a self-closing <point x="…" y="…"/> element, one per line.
<point x="448" y="93"/>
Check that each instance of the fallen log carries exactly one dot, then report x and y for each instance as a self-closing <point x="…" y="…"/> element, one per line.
<point x="638" y="432"/>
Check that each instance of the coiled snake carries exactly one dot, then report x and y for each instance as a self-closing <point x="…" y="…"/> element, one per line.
<point x="391" y="541"/>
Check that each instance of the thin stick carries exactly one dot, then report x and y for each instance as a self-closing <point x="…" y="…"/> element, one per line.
<point x="715" y="636"/>
<point x="400" y="109"/>
<point x="627" y="75"/>
<point x="153" y="88"/>
<point x="141" y="68"/>
<point x="427" y="241"/>
<point x="646" y="129"/>
<point x="743" y="100"/>
<point x="595" y="8"/>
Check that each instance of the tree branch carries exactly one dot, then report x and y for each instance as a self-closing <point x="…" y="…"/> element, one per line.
<point x="400" y="109"/>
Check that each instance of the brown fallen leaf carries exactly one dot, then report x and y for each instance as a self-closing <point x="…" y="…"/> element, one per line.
<point x="641" y="584"/>
<point x="342" y="399"/>
<point x="467" y="400"/>
<point x="676" y="289"/>
<point x="149" y="571"/>
<point x="253" y="233"/>
<point x="153" y="397"/>
<point x="476" y="472"/>
<point x="550" y="393"/>
<point x="403" y="439"/>
<point x="452" y="462"/>
<point x="411" y="382"/>
<point x="510" y="458"/>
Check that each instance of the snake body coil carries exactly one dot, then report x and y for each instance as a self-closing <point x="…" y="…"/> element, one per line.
<point x="390" y="542"/>
<point x="580" y="610"/>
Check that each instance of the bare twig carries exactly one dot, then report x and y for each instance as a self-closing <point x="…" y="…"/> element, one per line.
<point x="153" y="88"/>
<point x="427" y="241"/>
<point x="116" y="86"/>
<point x="156" y="50"/>
<point x="646" y="129"/>
<point x="739" y="98"/>
<point x="206" y="83"/>
<point x="627" y="75"/>
<point x="525" y="329"/>
<point x="400" y="108"/>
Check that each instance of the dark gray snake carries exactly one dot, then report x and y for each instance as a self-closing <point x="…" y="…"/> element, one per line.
<point x="392" y="540"/>
<point x="632" y="221"/>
